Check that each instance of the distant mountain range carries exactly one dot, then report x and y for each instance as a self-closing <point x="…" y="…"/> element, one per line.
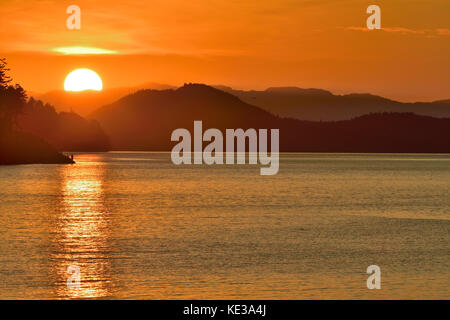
<point x="322" y="105"/>
<point x="291" y="102"/>
<point x="144" y="121"/>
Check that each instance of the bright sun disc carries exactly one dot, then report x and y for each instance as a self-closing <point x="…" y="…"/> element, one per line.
<point x="83" y="79"/>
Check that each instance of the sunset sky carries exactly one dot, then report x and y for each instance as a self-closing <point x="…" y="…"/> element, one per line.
<point x="240" y="43"/>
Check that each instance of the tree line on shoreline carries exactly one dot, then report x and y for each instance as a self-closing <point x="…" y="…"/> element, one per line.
<point x="33" y="132"/>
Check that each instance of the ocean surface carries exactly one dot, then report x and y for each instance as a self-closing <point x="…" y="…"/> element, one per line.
<point x="139" y="227"/>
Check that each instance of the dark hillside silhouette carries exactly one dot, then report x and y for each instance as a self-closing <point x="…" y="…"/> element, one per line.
<point x="18" y="147"/>
<point x="66" y="131"/>
<point x="31" y="131"/>
<point x="146" y="119"/>
<point x="23" y="148"/>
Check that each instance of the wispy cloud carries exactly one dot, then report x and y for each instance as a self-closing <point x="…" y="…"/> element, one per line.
<point x="402" y="30"/>
<point x="443" y="32"/>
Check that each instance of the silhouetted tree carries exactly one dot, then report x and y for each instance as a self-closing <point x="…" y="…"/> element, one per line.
<point x="4" y="78"/>
<point x="12" y="99"/>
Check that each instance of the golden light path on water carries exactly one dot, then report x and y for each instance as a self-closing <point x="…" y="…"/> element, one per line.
<point x="81" y="233"/>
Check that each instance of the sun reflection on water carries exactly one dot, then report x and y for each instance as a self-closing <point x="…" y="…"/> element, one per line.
<point x="81" y="232"/>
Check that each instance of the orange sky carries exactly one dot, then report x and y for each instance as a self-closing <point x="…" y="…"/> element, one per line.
<point x="240" y="43"/>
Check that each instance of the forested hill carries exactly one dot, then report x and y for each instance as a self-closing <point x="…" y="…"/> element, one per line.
<point x="146" y="119"/>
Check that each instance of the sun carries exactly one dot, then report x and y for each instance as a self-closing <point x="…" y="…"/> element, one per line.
<point x="83" y="79"/>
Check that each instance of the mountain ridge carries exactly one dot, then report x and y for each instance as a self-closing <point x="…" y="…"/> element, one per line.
<point x="288" y="101"/>
<point x="322" y="105"/>
<point x="145" y="120"/>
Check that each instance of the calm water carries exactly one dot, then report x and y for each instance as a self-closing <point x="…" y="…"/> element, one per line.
<point x="139" y="227"/>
